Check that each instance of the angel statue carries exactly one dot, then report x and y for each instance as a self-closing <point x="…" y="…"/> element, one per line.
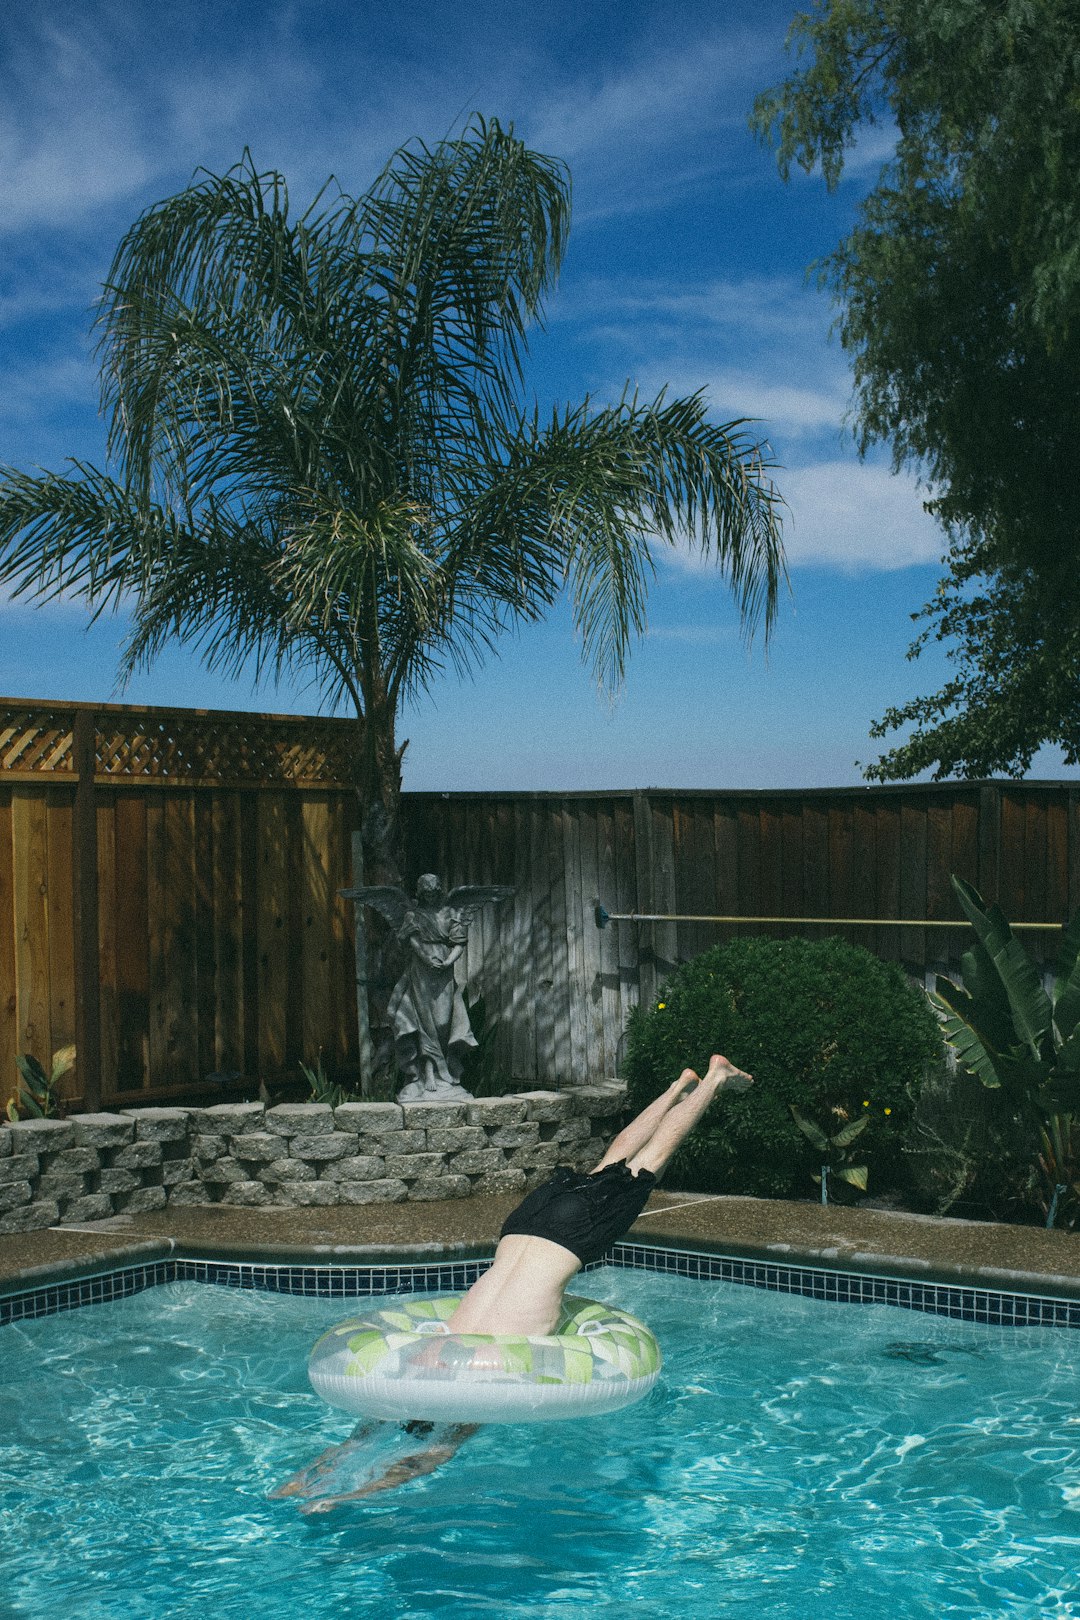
<point x="426" y="1007"/>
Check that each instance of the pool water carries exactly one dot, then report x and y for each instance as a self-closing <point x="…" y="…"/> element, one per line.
<point x="797" y="1460"/>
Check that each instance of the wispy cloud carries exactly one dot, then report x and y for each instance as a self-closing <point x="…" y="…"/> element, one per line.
<point x="857" y="517"/>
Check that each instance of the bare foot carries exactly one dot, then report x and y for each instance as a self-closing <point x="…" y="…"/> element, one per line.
<point x="726" y="1076"/>
<point x="684" y="1085"/>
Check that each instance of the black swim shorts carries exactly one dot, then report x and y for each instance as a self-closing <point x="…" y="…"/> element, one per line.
<point x="584" y="1213"/>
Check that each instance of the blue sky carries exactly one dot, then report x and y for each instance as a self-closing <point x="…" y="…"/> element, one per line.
<point x="686" y="267"/>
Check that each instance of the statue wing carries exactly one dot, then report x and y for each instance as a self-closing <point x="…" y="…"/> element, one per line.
<point x="472" y="897"/>
<point x="392" y="903"/>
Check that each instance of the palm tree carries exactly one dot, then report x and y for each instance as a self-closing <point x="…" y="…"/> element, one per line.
<point x="322" y="456"/>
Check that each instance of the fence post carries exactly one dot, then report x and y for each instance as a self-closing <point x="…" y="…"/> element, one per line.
<point x="85" y="868"/>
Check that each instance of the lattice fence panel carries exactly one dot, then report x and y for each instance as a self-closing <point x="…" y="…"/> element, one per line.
<point x="209" y="748"/>
<point x="36" y="739"/>
<point x="176" y="746"/>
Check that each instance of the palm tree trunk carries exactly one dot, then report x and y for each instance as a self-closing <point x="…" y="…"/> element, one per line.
<point x="378" y="858"/>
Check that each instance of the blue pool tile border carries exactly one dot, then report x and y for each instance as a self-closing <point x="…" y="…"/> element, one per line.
<point x="962" y="1302"/>
<point x="966" y="1304"/>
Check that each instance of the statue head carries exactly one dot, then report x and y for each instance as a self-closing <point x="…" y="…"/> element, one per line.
<point x="428" y="890"/>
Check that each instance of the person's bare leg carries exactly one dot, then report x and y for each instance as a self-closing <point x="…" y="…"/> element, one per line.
<point x="327" y="1462"/>
<point x="401" y="1472"/>
<point x="677" y="1122"/>
<point x="633" y="1137"/>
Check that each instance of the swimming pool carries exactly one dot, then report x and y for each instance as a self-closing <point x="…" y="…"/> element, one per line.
<point x="800" y="1459"/>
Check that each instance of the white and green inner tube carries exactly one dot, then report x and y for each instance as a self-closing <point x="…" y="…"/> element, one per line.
<point x="399" y="1361"/>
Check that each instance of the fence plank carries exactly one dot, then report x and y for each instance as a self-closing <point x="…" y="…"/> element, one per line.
<point x="30" y="839"/>
<point x="913" y="885"/>
<point x="274" y="944"/>
<point x="134" y="1071"/>
<point x="9" y="1003"/>
<point x="61" y="928"/>
<point x="108" y="984"/>
<point x="227" y="926"/>
<point x="540" y="867"/>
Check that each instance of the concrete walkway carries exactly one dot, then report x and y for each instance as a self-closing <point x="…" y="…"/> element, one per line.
<point x="1019" y="1258"/>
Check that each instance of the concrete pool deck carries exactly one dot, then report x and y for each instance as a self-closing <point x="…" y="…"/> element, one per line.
<point x="1020" y="1259"/>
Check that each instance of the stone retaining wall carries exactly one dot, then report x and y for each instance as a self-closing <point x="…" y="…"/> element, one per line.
<point x="95" y="1165"/>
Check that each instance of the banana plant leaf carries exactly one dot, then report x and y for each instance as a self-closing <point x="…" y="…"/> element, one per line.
<point x="844" y="1138"/>
<point x="855" y="1174"/>
<point x="956" y="1010"/>
<point x="993" y="1015"/>
<point x="1066" y="992"/>
<point x="1030" y="1005"/>
<point x="814" y="1135"/>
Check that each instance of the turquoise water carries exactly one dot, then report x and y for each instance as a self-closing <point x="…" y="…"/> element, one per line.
<point x="797" y="1460"/>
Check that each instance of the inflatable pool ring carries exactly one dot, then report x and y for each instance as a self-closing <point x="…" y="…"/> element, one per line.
<point x="400" y="1361"/>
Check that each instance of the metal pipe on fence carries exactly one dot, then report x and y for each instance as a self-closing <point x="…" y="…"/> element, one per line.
<point x="603" y="917"/>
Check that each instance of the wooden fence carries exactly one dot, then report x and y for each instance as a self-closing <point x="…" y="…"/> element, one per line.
<point x="186" y="865"/>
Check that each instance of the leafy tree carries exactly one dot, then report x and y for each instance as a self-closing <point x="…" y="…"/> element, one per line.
<point x="959" y="289"/>
<point x="322" y="454"/>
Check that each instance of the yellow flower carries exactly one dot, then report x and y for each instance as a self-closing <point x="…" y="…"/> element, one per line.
<point x="866" y="1104"/>
<point x="660" y="1005"/>
<point x="888" y="1110"/>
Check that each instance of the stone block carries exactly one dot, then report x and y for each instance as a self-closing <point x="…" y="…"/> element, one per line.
<point x="358" y="1167"/>
<point x="499" y="1181"/>
<point x="476" y="1161"/>
<point x="495" y="1111"/>
<point x="103" y="1130"/>
<point x="335" y="1145"/>
<point x="74" y="1161"/>
<point x="425" y="1116"/>
<point x="30" y="1217"/>
<point x="137" y="1156"/>
<point x="160" y="1124"/>
<point x="599" y="1102"/>
<point x="572" y="1131"/>
<point x="13" y="1194"/>
<point x="243" y="1193"/>
<point x="227" y="1119"/>
<point x="430" y="1188"/>
<point x="94" y="1207"/>
<point x="368" y="1118"/>
<point x="546" y="1106"/>
<point x="309" y="1192"/>
<point x="371" y="1192"/>
<point x="286" y="1170"/>
<point x="224" y="1172"/>
<point x="410" y="1165"/>
<point x="515" y="1136"/>
<point x="187" y="1193"/>
<point x="300" y="1119"/>
<point x="456" y="1140"/>
<point x="394" y="1142"/>
<point x="208" y="1148"/>
<point x="118" y="1181"/>
<point x="537" y="1156"/>
<point x="5" y="1141"/>
<point x="145" y="1199"/>
<point x="176" y="1171"/>
<point x="63" y="1188"/>
<point x="20" y="1167"/>
<point x="42" y="1135"/>
<point x="256" y="1147"/>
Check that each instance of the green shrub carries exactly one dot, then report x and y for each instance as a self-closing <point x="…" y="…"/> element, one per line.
<point x="971" y="1152"/>
<point x="820" y="1024"/>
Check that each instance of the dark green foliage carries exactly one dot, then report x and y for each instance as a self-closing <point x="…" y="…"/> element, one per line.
<point x="970" y="1153"/>
<point x="820" y="1024"/>
<point x="958" y="288"/>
